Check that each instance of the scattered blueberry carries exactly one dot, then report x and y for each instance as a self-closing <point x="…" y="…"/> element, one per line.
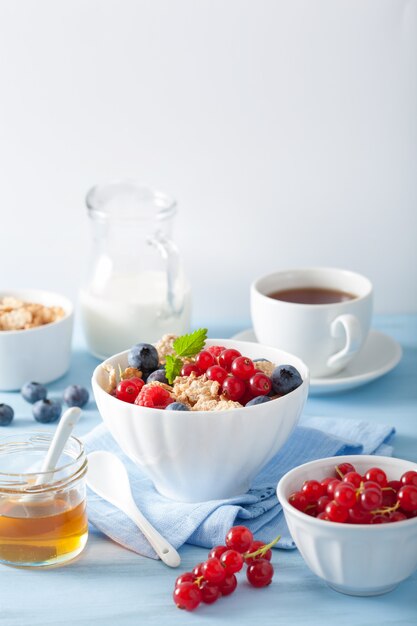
<point x="143" y="356"/>
<point x="6" y="414"/>
<point x="158" y="375"/>
<point x="177" y="406"/>
<point x="46" y="411"/>
<point x="32" y="392"/>
<point x="285" y="378"/>
<point x="74" y="395"/>
<point x="258" y="400"/>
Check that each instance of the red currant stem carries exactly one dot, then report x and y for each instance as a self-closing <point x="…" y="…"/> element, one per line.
<point x="339" y="472"/>
<point x="262" y="550"/>
<point x="387" y="489"/>
<point x="198" y="581"/>
<point x="309" y="507"/>
<point x="386" y="509"/>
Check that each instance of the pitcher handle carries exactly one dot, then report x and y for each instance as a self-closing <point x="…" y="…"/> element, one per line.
<point x="170" y="255"/>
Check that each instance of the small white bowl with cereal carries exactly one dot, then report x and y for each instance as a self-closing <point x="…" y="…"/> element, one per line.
<point x="192" y="437"/>
<point x="35" y="336"/>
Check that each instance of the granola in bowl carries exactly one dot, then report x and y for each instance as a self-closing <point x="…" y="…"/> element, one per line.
<point x="16" y="314"/>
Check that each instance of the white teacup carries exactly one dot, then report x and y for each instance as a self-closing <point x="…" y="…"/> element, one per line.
<point x="325" y="336"/>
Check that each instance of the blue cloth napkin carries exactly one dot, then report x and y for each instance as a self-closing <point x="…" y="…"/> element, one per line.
<point x="206" y="523"/>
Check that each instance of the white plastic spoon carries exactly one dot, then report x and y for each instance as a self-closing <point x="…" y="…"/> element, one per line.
<point x="60" y="438"/>
<point x="107" y="476"/>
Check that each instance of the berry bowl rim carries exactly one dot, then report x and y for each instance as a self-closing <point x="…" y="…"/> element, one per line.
<point x="342" y="527"/>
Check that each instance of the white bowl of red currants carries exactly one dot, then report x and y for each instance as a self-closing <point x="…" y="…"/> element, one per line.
<point x="354" y="520"/>
<point x="194" y="455"/>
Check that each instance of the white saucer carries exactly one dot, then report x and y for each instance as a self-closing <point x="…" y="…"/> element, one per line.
<point x="379" y="355"/>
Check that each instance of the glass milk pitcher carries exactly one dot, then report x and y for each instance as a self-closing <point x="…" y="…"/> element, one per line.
<point x="136" y="289"/>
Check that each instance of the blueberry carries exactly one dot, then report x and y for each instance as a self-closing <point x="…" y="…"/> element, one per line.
<point x="177" y="406"/>
<point x="258" y="400"/>
<point x="143" y="356"/>
<point x="32" y="392"/>
<point x="285" y="378"/>
<point x="6" y="414"/>
<point x="158" y="375"/>
<point x="46" y="411"/>
<point x="74" y="395"/>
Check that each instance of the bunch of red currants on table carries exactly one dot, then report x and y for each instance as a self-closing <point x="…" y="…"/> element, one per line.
<point x="216" y="576"/>
<point x="354" y="498"/>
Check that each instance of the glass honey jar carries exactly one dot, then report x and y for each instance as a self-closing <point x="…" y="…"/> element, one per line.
<point x="43" y="519"/>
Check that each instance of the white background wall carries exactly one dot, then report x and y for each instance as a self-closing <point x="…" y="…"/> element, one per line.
<point x="286" y="130"/>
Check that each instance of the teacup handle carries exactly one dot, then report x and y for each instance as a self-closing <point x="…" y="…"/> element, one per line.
<point x="169" y="253"/>
<point x="345" y="325"/>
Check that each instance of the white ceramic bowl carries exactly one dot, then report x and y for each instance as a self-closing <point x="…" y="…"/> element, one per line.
<point x="41" y="354"/>
<point x="361" y="560"/>
<point x="194" y="456"/>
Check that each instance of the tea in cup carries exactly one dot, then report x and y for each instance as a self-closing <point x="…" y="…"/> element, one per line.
<point x="321" y="315"/>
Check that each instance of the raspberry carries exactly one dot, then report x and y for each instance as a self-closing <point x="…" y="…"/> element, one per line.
<point x="215" y="351"/>
<point x="154" y="397"/>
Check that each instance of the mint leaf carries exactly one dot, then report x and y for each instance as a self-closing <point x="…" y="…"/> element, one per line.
<point x="173" y="367"/>
<point x="192" y="344"/>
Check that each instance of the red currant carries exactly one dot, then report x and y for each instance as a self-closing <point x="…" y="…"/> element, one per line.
<point x="322" y="503"/>
<point x="189" y="368"/>
<point x="409" y="478"/>
<point x="370" y="499"/>
<point x="233" y="388"/>
<point x="357" y="515"/>
<point x="260" y="384"/>
<point x="397" y="516"/>
<point x="298" y="500"/>
<point x="260" y="573"/>
<point x="312" y="490"/>
<point x="197" y="571"/>
<point x="187" y="596"/>
<point x="228" y="585"/>
<point x="243" y="368"/>
<point x="217" y="373"/>
<point x="344" y="468"/>
<point x="232" y="561"/>
<point x="345" y="495"/>
<point x="331" y="486"/>
<point x="217" y="551"/>
<point x="352" y="477"/>
<point x="210" y="592"/>
<point x="376" y="475"/>
<point x="213" y="570"/>
<point x="379" y="519"/>
<point x="335" y="512"/>
<point x="128" y="390"/>
<point x="407" y="497"/>
<point x="204" y="360"/>
<point x="186" y="577"/>
<point x="239" y="538"/>
<point x="323" y="515"/>
<point x="227" y="357"/>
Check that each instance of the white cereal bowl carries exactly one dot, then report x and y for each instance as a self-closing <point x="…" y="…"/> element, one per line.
<point x="359" y="560"/>
<point x="195" y="456"/>
<point x="43" y="353"/>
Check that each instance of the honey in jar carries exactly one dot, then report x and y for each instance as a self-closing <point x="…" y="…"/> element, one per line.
<point x="43" y="518"/>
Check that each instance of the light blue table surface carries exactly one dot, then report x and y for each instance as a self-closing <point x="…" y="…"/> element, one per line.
<point x="108" y="585"/>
